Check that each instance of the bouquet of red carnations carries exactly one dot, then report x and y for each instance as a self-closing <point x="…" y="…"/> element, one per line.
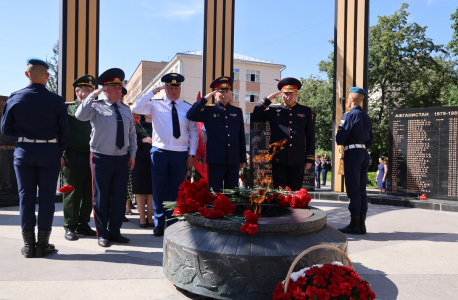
<point x="323" y="282"/>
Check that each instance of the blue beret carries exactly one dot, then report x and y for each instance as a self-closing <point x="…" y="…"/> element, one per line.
<point x="37" y="61"/>
<point x="357" y="90"/>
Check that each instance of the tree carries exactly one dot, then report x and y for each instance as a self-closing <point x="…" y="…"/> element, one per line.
<point x="401" y="69"/>
<point x="317" y="94"/>
<point x="52" y="83"/>
<point x="453" y="45"/>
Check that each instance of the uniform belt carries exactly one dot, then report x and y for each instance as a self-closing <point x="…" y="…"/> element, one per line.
<point x="26" y="140"/>
<point x="354" y="146"/>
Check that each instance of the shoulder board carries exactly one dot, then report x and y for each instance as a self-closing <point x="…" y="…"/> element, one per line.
<point x="302" y="104"/>
<point x="69" y="103"/>
<point x="187" y="102"/>
<point x="95" y="100"/>
<point x="235" y="106"/>
<point x="210" y="104"/>
<point x="276" y="104"/>
<point x="124" y="104"/>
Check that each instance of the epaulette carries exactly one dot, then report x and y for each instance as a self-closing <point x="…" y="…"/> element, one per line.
<point x="69" y="103"/>
<point x="187" y="102"/>
<point x="235" y="106"/>
<point x="302" y="104"/>
<point x="210" y="104"/>
<point x="275" y="104"/>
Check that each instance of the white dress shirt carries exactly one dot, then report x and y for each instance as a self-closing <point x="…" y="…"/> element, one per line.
<point x="161" y="112"/>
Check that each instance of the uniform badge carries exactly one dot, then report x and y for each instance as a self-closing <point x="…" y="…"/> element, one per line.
<point x="301" y="115"/>
<point x="233" y="115"/>
<point x="342" y="123"/>
<point x="215" y="115"/>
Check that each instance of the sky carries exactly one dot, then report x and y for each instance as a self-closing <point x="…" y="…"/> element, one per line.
<point x="292" y="33"/>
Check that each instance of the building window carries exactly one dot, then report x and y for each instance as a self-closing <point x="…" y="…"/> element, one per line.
<point x="247" y="118"/>
<point x="247" y="139"/>
<point x="253" y="76"/>
<point x="236" y="96"/>
<point x="252" y="96"/>
<point x="236" y="74"/>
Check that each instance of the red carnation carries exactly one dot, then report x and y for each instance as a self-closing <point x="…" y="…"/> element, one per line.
<point x="250" y="217"/>
<point x="66" y="189"/>
<point x="223" y="204"/>
<point x="249" y="228"/>
<point x="136" y="121"/>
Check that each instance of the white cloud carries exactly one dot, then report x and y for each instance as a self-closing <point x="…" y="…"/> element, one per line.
<point x="172" y="9"/>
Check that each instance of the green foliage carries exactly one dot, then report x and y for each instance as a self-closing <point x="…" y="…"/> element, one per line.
<point x="52" y="83"/>
<point x="453" y="45"/>
<point x="323" y="151"/>
<point x="371" y="179"/>
<point x="317" y="94"/>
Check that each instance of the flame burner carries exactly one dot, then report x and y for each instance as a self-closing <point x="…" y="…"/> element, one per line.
<point x="267" y="210"/>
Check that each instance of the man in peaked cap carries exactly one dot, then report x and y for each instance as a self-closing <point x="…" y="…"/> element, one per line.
<point x="226" y="149"/>
<point x="38" y="119"/>
<point x="293" y="128"/>
<point x="173" y="135"/>
<point x="113" y="147"/>
<point x="355" y="134"/>
<point x="77" y="204"/>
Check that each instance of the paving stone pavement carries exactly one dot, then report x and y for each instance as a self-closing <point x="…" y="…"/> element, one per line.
<point x="407" y="254"/>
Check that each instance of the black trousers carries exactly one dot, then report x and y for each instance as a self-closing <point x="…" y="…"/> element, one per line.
<point x="288" y="175"/>
<point x="223" y="176"/>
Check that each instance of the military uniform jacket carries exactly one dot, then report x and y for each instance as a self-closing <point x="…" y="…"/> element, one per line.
<point x="36" y="113"/>
<point x="225" y="131"/>
<point x="355" y="127"/>
<point x="294" y="124"/>
<point x="80" y="131"/>
<point x="102" y="115"/>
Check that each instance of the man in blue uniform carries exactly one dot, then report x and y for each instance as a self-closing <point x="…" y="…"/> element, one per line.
<point x="38" y="119"/>
<point x="318" y="163"/>
<point x="324" y="168"/>
<point x="77" y="204"/>
<point x="113" y="147"/>
<point x="293" y="134"/>
<point x="355" y="134"/>
<point x="173" y="135"/>
<point x="226" y="149"/>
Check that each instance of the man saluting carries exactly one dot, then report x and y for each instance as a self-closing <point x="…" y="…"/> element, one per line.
<point x="226" y="149"/>
<point x="293" y="129"/>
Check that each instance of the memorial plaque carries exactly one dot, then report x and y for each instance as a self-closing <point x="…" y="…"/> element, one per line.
<point x="8" y="184"/>
<point x="261" y="172"/>
<point x="423" y="152"/>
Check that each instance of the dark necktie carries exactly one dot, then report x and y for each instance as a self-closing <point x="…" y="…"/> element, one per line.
<point x="120" y="128"/>
<point x="175" y="123"/>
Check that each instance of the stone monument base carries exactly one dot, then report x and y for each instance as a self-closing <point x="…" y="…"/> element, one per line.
<point x="213" y="258"/>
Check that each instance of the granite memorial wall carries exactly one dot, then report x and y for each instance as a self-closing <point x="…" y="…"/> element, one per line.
<point x="259" y="144"/>
<point x="423" y="152"/>
<point x="8" y="184"/>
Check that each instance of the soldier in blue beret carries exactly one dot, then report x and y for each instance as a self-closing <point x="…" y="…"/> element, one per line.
<point x="113" y="147"/>
<point x="38" y="119"/>
<point x="226" y="149"/>
<point x="293" y="129"/>
<point x="174" y="142"/>
<point x="77" y="204"/>
<point x="355" y="134"/>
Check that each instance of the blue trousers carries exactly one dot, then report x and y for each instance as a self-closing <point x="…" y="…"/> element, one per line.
<point x="356" y="164"/>
<point x="168" y="170"/>
<point x="110" y="175"/>
<point x="324" y="173"/>
<point x="223" y="176"/>
<point x="37" y="165"/>
<point x="317" y="178"/>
